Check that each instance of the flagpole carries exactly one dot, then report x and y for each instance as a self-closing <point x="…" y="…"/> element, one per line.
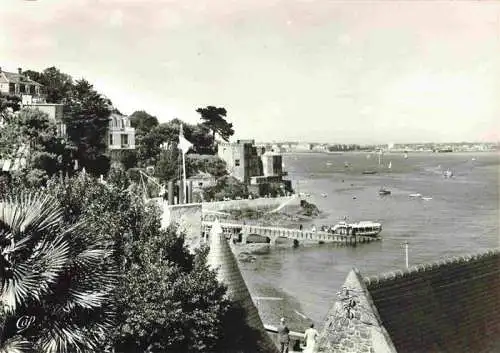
<point x="184" y="177"/>
<point x="183" y="169"/>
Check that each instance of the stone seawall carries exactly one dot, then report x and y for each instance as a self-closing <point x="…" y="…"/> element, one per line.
<point x="189" y="218"/>
<point x="260" y="203"/>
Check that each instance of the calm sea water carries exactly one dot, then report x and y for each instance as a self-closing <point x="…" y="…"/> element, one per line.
<point x="462" y="217"/>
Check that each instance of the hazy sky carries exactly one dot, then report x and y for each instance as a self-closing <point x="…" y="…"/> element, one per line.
<point x="331" y="71"/>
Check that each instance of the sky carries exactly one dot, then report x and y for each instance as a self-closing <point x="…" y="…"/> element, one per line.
<point x="302" y="70"/>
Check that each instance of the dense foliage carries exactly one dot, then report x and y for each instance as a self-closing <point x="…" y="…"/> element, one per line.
<point x="57" y="279"/>
<point x="226" y="187"/>
<point x="167" y="299"/>
<point x="211" y="165"/>
<point x="45" y="153"/>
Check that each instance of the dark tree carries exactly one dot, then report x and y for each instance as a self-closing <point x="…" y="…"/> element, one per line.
<point x="201" y="137"/>
<point x="169" y="165"/>
<point x="128" y="159"/>
<point x="215" y="119"/>
<point x="142" y="122"/>
<point x="34" y="75"/>
<point x="86" y="114"/>
<point x="9" y="101"/>
<point x="56" y="85"/>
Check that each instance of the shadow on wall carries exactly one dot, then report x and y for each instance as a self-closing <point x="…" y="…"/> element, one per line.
<point x="238" y="335"/>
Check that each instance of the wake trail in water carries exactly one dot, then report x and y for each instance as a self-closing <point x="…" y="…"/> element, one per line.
<point x="284" y="204"/>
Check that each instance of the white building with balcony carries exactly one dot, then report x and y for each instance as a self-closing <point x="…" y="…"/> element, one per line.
<point x="121" y="135"/>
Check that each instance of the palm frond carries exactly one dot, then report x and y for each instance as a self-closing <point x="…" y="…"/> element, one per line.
<point x="58" y="273"/>
<point x="32" y="279"/>
<point x="17" y="345"/>
<point x="64" y="339"/>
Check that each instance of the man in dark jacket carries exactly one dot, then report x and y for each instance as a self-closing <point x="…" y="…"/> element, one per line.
<point x="283" y="335"/>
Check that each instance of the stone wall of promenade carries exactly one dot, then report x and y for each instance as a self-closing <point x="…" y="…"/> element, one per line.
<point x="188" y="217"/>
<point x="260" y="203"/>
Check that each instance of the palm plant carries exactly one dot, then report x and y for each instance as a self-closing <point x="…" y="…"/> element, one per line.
<point x="56" y="282"/>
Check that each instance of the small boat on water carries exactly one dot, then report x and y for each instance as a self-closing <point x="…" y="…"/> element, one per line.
<point x="384" y="191"/>
<point x="416" y="195"/>
<point x="370" y="172"/>
<point x="366" y="228"/>
<point x="448" y="174"/>
<point x="427" y="198"/>
<point x="324" y="195"/>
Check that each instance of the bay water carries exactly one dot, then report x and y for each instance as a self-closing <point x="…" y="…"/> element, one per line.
<point x="459" y="216"/>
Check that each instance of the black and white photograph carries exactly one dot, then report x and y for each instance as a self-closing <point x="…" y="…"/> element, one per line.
<point x="249" y="176"/>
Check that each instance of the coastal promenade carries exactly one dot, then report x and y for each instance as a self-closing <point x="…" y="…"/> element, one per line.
<point x="241" y="232"/>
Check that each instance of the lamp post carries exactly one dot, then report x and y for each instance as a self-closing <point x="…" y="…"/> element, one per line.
<point x="406" y="253"/>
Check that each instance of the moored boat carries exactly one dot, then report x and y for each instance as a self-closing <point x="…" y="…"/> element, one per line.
<point x="448" y="174"/>
<point x="384" y="191"/>
<point x="366" y="228"/>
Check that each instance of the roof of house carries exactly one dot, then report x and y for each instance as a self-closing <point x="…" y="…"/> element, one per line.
<point x="452" y="305"/>
<point x="12" y="77"/>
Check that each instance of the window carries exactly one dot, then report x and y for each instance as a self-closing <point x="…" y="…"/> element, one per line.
<point x="12" y="88"/>
<point x="237" y="162"/>
<point x="124" y="138"/>
<point x="111" y="139"/>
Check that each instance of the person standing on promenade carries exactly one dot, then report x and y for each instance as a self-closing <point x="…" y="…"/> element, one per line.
<point x="284" y="336"/>
<point x="311" y="337"/>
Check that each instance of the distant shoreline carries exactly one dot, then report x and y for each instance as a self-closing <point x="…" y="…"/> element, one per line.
<point x="385" y="152"/>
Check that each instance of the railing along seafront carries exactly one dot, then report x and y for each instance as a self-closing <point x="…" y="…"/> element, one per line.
<point x="244" y="230"/>
<point x="295" y="337"/>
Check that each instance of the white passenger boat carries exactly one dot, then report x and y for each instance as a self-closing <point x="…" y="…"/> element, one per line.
<point x="366" y="228"/>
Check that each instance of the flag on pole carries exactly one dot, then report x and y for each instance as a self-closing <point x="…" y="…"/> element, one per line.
<point x="184" y="145"/>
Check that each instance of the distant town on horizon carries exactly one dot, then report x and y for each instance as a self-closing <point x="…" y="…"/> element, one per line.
<point x="296" y="146"/>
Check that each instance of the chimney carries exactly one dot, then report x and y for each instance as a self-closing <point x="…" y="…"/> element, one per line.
<point x="19" y="70"/>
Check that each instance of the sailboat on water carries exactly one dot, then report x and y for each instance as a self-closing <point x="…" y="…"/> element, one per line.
<point x="390" y="165"/>
<point x="405" y="155"/>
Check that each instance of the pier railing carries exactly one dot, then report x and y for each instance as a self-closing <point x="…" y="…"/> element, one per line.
<point x="295" y="337"/>
<point x="273" y="233"/>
